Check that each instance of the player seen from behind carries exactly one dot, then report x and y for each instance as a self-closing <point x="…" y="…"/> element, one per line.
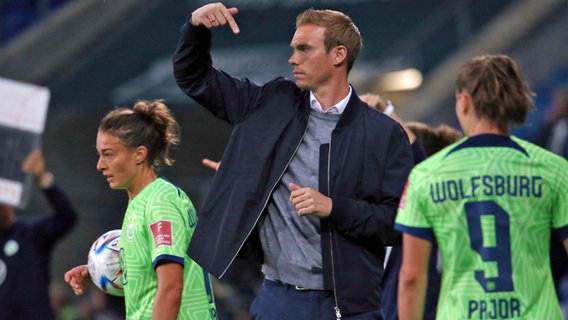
<point x="489" y="201"/>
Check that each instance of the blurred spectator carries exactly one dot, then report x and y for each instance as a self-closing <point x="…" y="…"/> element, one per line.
<point x="425" y="141"/>
<point x="26" y="246"/>
<point x="17" y="15"/>
<point x="554" y="135"/>
<point x="434" y="139"/>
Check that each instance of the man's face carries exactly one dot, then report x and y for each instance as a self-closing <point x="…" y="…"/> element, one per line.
<point x="312" y="66"/>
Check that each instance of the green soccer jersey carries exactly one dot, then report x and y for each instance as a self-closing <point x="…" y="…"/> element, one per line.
<point x="490" y="202"/>
<point x="158" y="226"/>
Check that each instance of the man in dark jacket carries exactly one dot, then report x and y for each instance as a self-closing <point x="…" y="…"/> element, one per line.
<point x="311" y="177"/>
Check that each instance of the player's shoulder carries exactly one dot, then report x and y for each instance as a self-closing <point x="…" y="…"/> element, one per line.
<point x="439" y="159"/>
<point x="539" y="153"/>
<point x="165" y="189"/>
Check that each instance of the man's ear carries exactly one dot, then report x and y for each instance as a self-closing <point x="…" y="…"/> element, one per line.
<point x="339" y="55"/>
<point x="141" y="153"/>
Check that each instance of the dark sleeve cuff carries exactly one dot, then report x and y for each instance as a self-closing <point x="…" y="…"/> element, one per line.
<point x="562" y="233"/>
<point x="167" y="258"/>
<point x="423" y="233"/>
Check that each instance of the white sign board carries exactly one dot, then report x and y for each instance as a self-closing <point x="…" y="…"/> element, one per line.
<point x="23" y="110"/>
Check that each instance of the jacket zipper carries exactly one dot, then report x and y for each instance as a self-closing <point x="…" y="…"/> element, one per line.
<point x="331" y="235"/>
<point x="267" y="199"/>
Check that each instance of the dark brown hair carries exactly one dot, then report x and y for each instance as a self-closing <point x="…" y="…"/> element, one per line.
<point x="434" y="139"/>
<point x="149" y="124"/>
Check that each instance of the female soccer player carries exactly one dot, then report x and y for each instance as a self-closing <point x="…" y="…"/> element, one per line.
<point x="490" y="202"/>
<point x="160" y="279"/>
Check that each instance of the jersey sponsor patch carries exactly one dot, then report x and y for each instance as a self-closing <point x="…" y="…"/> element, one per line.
<point x="403" y="197"/>
<point x="162" y="232"/>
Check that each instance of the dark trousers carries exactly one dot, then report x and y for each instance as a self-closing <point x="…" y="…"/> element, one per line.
<point x="280" y="301"/>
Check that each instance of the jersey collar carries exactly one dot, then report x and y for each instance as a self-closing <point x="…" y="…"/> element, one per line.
<point x="489" y="140"/>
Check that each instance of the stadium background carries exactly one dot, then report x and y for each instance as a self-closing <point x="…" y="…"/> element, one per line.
<point x="94" y="55"/>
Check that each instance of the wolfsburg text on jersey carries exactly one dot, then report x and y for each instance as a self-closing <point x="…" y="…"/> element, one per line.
<point x="486" y="185"/>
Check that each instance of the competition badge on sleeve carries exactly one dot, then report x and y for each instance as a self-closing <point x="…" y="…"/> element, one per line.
<point x="162" y="232"/>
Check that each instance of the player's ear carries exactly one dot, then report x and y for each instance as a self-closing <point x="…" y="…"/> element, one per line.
<point x="464" y="102"/>
<point x="141" y="153"/>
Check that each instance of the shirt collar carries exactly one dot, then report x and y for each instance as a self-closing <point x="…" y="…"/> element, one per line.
<point x="338" y="108"/>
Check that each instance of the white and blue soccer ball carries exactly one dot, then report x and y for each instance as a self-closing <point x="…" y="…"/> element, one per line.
<point x="104" y="263"/>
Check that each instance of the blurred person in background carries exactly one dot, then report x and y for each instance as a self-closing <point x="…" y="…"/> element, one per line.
<point x="554" y="135"/>
<point x="490" y="202"/>
<point x="434" y="139"/>
<point x="425" y="141"/>
<point x="299" y="188"/>
<point x="26" y="248"/>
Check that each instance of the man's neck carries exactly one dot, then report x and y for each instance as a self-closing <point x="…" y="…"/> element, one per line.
<point x="331" y="95"/>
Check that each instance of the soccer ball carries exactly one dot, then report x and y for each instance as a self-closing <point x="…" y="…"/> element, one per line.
<point x="104" y="263"/>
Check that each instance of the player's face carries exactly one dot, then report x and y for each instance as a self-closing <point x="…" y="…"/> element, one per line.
<point x="312" y="66"/>
<point x="116" y="162"/>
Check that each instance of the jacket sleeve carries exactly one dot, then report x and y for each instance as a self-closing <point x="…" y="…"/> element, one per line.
<point x="51" y="228"/>
<point x="226" y="97"/>
<point x="371" y="216"/>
